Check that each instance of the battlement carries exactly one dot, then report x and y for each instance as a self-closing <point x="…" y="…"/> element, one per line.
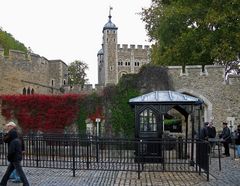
<point x="16" y="55"/>
<point x="131" y="46"/>
<point x="197" y="70"/>
<point x="233" y="80"/>
<point x="86" y="89"/>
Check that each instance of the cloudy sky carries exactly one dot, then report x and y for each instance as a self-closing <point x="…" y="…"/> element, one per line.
<point x="72" y="29"/>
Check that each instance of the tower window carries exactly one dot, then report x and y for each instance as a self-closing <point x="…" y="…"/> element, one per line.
<point x="24" y="91"/>
<point x="28" y="90"/>
<point x="137" y="63"/>
<point x="52" y="82"/>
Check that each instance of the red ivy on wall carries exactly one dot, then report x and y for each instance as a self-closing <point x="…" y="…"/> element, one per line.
<point x="41" y="112"/>
<point x="98" y="114"/>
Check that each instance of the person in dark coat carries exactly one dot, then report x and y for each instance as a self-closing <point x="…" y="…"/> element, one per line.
<point x="204" y="132"/>
<point x="211" y="130"/>
<point x="226" y="136"/>
<point x="14" y="155"/>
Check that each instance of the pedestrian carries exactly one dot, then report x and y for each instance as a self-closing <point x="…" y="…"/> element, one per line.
<point x="237" y="142"/>
<point x="211" y="132"/>
<point x="14" y="155"/>
<point x="226" y="136"/>
<point x="14" y="176"/>
<point x="204" y="132"/>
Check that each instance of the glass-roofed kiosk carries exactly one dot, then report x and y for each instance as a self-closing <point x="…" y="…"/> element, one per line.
<point x="161" y="112"/>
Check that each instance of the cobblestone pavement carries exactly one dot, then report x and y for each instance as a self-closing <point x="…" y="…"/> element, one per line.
<point x="230" y="176"/>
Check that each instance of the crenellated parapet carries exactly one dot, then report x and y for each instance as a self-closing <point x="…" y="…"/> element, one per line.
<point x="132" y="47"/>
<point x="16" y="55"/>
<point x="86" y="89"/>
<point x="233" y="80"/>
<point x="197" y="70"/>
<point x="210" y="75"/>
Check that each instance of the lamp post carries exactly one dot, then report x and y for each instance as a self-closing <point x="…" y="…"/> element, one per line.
<point x="98" y="120"/>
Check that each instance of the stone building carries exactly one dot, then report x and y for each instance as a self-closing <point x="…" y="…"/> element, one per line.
<point x="22" y="73"/>
<point x="221" y="98"/>
<point x="115" y="60"/>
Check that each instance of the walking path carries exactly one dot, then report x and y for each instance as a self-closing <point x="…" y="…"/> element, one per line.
<point x="230" y="176"/>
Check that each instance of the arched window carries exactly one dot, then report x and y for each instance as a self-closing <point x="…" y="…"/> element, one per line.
<point x="28" y="90"/>
<point x="32" y="91"/>
<point x="24" y="91"/>
<point x="52" y="82"/>
<point x="148" y="121"/>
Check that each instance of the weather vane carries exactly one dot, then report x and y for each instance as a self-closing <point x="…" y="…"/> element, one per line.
<point x="110" y="9"/>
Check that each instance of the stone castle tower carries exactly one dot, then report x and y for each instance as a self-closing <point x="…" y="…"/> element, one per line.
<point x="114" y="60"/>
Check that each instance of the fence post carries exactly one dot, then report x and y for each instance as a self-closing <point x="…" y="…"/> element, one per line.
<point x="180" y="147"/>
<point x="163" y="152"/>
<point x="97" y="149"/>
<point x="138" y="158"/>
<point x="73" y="154"/>
<point x="207" y="160"/>
<point x="37" y="146"/>
<point x="88" y="142"/>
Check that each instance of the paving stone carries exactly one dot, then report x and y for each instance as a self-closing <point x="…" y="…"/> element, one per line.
<point x="55" y="177"/>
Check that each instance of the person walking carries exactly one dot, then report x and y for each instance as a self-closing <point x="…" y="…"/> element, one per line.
<point x="237" y="142"/>
<point x="14" y="176"/>
<point x="226" y="136"/>
<point x="14" y="155"/>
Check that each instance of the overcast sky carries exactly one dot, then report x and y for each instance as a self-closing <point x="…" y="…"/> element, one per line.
<point x="72" y="29"/>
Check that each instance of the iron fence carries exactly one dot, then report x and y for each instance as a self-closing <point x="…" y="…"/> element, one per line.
<point x="92" y="153"/>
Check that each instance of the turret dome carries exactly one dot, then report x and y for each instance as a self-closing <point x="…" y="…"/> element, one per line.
<point x="109" y="25"/>
<point x="100" y="52"/>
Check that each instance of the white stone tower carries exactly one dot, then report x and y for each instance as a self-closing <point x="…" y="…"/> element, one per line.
<point x="107" y="56"/>
<point x="115" y="61"/>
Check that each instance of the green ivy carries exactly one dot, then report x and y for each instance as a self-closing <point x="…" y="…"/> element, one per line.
<point x="88" y="107"/>
<point x="122" y="115"/>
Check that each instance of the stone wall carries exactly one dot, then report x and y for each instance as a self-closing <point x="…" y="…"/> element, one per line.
<point x="20" y="71"/>
<point x="221" y="98"/>
<point x="131" y="59"/>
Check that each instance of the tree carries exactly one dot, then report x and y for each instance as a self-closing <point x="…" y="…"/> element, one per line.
<point x="77" y="73"/>
<point x="7" y="41"/>
<point x="190" y="32"/>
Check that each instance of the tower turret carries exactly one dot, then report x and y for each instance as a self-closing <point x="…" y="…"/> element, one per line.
<point x="109" y="47"/>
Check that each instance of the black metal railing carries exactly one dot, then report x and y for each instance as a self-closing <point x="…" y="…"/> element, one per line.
<point x="92" y="153"/>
